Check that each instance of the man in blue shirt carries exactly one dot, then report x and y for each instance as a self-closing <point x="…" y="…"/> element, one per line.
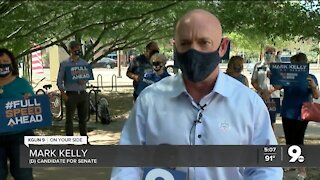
<point x="227" y="112"/>
<point x="141" y="65"/>
<point x="73" y="92"/>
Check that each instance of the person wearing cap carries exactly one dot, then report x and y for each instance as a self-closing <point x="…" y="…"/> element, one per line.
<point x="73" y="92"/>
<point x="261" y="82"/>
<point x="141" y="65"/>
<point x="159" y="72"/>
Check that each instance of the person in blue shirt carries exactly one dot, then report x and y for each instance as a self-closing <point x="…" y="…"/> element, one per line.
<point x="200" y="106"/>
<point x="74" y="92"/>
<point x="159" y="72"/>
<point x="234" y="69"/>
<point x="12" y="86"/>
<point x="293" y="98"/>
<point x="141" y="65"/>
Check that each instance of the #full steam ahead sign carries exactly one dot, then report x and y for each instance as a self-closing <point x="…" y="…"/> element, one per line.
<point x="289" y="74"/>
<point x="23" y="114"/>
<point x="81" y="72"/>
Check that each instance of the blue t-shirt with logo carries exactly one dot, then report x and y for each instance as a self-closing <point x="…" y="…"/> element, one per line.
<point x="294" y="97"/>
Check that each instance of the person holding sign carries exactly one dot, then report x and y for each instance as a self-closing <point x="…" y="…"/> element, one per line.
<point x="294" y="96"/>
<point x="141" y="65"/>
<point x="261" y="82"/>
<point x="12" y="86"/>
<point x="73" y="91"/>
<point x="199" y="106"/>
<point x="159" y="72"/>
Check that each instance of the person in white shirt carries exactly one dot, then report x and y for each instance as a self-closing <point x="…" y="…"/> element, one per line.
<point x="228" y="113"/>
<point x="261" y="82"/>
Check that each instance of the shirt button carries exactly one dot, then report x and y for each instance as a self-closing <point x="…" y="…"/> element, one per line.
<point x="199" y="136"/>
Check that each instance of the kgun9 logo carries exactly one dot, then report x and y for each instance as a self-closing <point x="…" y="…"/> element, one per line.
<point x="295" y="153"/>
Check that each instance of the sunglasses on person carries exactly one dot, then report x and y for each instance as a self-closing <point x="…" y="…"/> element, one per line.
<point x="156" y="63"/>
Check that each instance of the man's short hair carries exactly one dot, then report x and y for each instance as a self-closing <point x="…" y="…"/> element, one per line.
<point x="74" y="44"/>
<point x="150" y="44"/>
<point x="300" y="57"/>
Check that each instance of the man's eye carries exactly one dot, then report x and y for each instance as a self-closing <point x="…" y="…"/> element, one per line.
<point x="184" y="43"/>
<point x="207" y="43"/>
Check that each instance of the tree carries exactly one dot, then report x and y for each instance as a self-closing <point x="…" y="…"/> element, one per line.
<point x="118" y="25"/>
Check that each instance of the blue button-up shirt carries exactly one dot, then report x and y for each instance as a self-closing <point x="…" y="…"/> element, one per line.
<point x="164" y="113"/>
<point x="62" y="81"/>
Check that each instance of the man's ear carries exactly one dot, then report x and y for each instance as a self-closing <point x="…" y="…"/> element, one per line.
<point x="223" y="46"/>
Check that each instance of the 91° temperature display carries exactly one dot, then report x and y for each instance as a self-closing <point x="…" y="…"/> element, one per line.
<point x="271" y="156"/>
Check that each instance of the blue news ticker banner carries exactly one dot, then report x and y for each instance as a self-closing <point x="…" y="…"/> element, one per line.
<point x="289" y="74"/>
<point x="81" y="72"/>
<point x="23" y="114"/>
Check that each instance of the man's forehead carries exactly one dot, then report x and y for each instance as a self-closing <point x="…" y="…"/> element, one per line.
<point x="189" y="27"/>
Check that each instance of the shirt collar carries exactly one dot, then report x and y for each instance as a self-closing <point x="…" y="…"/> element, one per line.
<point x="177" y="85"/>
<point x="223" y="85"/>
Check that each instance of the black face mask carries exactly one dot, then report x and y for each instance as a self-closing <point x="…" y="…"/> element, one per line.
<point x="195" y="65"/>
<point x="157" y="66"/>
<point x="5" y="70"/>
<point x="77" y="52"/>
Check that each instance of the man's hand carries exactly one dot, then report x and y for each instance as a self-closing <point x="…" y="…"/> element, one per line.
<point x="265" y="95"/>
<point x="27" y="95"/>
<point x="64" y="96"/>
<point x="135" y="77"/>
<point x="311" y="83"/>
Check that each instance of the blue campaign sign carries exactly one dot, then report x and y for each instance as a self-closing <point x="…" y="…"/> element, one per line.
<point x="23" y="114"/>
<point x="289" y="74"/>
<point x="81" y="72"/>
<point x="163" y="173"/>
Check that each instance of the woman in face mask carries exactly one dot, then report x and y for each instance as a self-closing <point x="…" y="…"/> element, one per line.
<point x="12" y="86"/>
<point x="159" y="72"/>
<point x="234" y="69"/>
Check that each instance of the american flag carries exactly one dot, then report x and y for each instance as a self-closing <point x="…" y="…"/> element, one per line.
<point x="37" y="66"/>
